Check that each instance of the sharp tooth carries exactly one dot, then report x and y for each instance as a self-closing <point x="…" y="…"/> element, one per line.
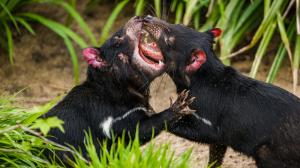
<point x="160" y="62"/>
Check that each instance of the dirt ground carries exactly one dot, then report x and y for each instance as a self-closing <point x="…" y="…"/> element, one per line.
<point x="42" y="66"/>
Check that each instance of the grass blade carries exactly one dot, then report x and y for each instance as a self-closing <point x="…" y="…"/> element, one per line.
<point x="275" y="7"/>
<point x="179" y="13"/>
<point x="6" y="10"/>
<point x="79" y="20"/>
<point x="262" y="49"/>
<point x="63" y="32"/>
<point x="140" y="6"/>
<point x="281" y="53"/>
<point x="10" y="43"/>
<point x="157" y="6"/>
<point x="189" y="11"/>
<point x="111" y="19"/>
<point x="296" y="62"/>
<point x="58" y="28"/>
<point x="25" y="24"/>
<point x="73" y="59"/>
<point x="283" y="35"/>
<point x="298" y="16"/>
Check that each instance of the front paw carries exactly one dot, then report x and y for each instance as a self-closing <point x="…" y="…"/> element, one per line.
<point x="181" y="105"/>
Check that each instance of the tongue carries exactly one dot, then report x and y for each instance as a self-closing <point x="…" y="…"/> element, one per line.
<point x="151" y="50"/>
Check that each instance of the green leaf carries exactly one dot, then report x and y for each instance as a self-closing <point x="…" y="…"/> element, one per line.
<point x="296" y="62"/>
<point x="73" y="58"/>
<point x="157" y="6"/>
<point x="111" y="19"/>
<point x="46" y="124"/>
<point x="280" y="53"/>
<point x="179" y="13"/>
<point x="10" y="15"/>
<point x="25" y="24"/>
<point x="10" y="43"/>
<point x="262" y="49"/>
<point x="79" y="20"/>
<point x="283" y="35"/>
<point x="139" y="9"/>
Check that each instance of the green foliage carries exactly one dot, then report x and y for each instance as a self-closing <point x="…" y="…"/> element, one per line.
<point x="45" y="124"/>
<point x="22" y="146"/>
<point x="11" y="19"/>
<point x="19" y="147"/>
<point x="131" y="155"/>
<point x="111" y="20"/>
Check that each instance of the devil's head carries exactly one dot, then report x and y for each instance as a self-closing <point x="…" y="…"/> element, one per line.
<point x="186" y="51"/>
<point x="131" y="55"/>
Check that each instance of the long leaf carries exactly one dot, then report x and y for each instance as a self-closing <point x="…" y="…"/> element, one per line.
<point x="139" y="9"/>
<point x="73" y="58"/>
<point x="262" y="49"/>
<point x="157" y="6"/>
<point x="179" y="12"/>
<point x="79" y="20"/>
<point x="10" y="15"/>
<point x="10" y="43"/>
<point x="296" y="62"/>
<point x="61" y="31"/>
<point x="271" y="14"/>
<point x="57" y="27"/>
<point x="111" y="19"/>
<point x="25" y="24"/>
<point x="283" y="35"/>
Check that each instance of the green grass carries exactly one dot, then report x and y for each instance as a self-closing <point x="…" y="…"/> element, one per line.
<point x="21" y="145"/>
<point x="11" y="20"/>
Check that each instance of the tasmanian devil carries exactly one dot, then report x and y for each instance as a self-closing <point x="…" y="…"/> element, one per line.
<point x="253" y="117"/>
<point x="114" y="97"/>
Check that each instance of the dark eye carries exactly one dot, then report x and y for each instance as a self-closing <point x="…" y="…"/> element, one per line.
<point x="118" y="40"/>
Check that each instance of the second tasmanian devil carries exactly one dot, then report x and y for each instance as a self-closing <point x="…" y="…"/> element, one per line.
<point x="253" y="117"/>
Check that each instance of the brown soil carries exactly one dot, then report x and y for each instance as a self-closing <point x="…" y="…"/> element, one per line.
<point x="42" y="66"/>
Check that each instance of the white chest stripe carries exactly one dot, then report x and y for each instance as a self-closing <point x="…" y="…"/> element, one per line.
<point x="129" y="112"/>
<point x="107" y="123"/>
<point x="204" y="120"/>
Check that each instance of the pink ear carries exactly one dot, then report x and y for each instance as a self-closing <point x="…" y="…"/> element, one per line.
<point x="216" y="32"/>
<point x="92" y="57"/>
<point x="197" y="59"/>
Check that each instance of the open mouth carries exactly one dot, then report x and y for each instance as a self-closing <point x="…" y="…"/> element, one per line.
<point x="149" y="50"/>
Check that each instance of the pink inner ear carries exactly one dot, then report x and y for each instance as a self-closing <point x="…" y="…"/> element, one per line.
<point x="198" y="58"/>
<point x="93" y="58"/>
<point x="216" y="32"/>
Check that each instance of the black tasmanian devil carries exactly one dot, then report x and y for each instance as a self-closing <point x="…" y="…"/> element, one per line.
<point x="253" y="117"/>
<point x="114" y="97"/>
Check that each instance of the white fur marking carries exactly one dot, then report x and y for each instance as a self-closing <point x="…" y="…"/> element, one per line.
<point x="129" y="112"/>
<point x="206" y="121"/>
<point x="106" y="126"/>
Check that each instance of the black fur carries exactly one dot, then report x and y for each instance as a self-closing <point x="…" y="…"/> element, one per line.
<point x="111" y="92"/>
<point x="255" y="118"/>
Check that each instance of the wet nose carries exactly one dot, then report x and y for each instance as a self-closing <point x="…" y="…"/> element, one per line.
<point x="148" y="18"/>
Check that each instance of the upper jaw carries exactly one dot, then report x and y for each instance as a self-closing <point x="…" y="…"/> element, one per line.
<point x="147" y="55"/>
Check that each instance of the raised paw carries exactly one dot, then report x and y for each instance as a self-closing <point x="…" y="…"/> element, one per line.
<point x="181" y="105"/>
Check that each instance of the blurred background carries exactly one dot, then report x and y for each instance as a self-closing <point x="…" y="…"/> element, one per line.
<point x="41" y="42"/>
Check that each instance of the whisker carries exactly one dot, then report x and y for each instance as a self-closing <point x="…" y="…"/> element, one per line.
<point x="151" y="9"/>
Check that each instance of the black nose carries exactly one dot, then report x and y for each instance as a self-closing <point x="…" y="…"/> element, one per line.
<point x="148" y="18"/>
